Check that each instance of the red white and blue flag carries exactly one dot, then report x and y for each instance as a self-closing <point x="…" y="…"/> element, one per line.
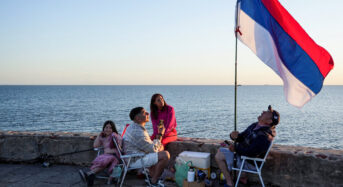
<point x="280" y="42"/>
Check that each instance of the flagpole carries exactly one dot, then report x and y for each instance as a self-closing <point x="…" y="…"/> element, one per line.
<point x="235" y="105"/>
<point x="235" y="110"/>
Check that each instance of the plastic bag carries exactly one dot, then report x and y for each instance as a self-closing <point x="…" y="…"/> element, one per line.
<point x="182" y="168"/>
<point x="116" y="172"/>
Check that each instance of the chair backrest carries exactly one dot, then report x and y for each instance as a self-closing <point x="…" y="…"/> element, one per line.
<point x="119" y="148"/>
<point x="270" y="147"/>
<point x="122" y="134"/>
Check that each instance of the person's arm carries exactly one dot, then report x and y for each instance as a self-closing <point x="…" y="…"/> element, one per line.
<point x="145" y="144"/>
<point x="97" y="141"/>
<point x="118" y="139"/>
<point x="241" y="135"/>
<point x="258" y="146"/>
<point x="170" y="124"/>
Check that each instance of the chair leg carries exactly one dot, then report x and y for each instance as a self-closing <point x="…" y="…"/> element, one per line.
<point x="259" y="175"/>
<point x="123" y="178"/>
<point x="239" y="174"/>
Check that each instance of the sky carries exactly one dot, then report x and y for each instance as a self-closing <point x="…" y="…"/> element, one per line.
<point x="145" y="42"/>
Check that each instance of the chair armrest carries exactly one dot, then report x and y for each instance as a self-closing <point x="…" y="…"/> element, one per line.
<point x="250" y="158"/>
<point x="98" y="148"/>
<point x="133" y="155"/>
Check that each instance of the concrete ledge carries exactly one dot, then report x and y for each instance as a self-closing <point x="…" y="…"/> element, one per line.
<point x="57" y="147"/>
<point x="285" y="166"/>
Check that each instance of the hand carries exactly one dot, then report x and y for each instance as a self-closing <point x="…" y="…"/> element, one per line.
<point x="234" y="135"/>
<point x="161" y="130"/>
<point x="161" y="148"/>
<point x="102" y="134"/>
<point x="158" y="137"/>
<point x="232" y="148"/>
<point x="223" y="144"/>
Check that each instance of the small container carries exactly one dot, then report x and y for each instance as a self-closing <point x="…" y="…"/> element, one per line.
<point x="190" y="175"/>
<point x="46" y="164"/>
<point x="213" y="176"/>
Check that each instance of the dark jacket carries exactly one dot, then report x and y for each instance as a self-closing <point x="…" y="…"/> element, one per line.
<point x="253" y="143"/>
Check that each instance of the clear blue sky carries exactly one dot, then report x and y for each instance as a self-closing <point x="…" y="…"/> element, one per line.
<point x="144" y="42"/>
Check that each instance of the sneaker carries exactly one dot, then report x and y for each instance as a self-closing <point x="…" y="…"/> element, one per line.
<point x="158" y="184"/>
<point x="82" y="175"/>
<point x="167" y="175"/>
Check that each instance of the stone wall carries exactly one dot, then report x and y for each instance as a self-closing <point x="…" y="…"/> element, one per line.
<point x="285" y="166"/>
<point x="56" y="147"/>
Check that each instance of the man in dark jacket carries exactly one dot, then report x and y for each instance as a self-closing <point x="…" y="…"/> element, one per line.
<point x="253" y="142"/>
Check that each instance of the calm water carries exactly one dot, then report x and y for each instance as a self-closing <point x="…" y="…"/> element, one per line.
<point x="201" y="111"/>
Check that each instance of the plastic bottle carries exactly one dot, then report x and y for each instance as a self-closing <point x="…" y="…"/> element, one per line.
<point x="190" y="175"/>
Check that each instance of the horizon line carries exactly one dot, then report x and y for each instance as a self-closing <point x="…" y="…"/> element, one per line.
<point x="151" y="85"/>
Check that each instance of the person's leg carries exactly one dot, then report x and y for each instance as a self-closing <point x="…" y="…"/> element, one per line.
<point x="222" y="164"/>
<point x="163" y="159"/>
<point x="95" y="170"/>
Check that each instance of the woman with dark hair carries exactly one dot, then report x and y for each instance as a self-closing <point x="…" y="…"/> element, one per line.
<point x="110" y="157"/>
<point x="160" y="110"/>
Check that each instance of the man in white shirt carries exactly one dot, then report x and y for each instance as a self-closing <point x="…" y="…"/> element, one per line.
<point x="137" y="140"/>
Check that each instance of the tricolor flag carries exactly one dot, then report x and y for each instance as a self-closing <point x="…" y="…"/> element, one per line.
<point x="280" y="42"/>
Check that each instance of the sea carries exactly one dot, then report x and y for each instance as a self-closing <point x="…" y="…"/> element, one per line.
<point x="201" y="111"/>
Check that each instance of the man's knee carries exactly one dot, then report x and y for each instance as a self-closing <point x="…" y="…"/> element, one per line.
<point x="219" y="156"/>
<point x="163" y="155"/>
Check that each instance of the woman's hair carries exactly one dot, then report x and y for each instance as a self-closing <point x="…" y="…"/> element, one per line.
<point x="153" y="107"/>
<point x="113" y="126"/>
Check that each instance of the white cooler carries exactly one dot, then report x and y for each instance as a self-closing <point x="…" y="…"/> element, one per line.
<point x="200" y="160"/>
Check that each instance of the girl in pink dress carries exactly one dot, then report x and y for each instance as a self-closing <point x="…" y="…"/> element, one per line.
<point x="160" y="110"/>
<point x="110" y="158"/>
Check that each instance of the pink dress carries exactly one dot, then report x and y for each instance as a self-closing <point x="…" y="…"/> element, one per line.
<point x="108" y="160"/>
<point x="168" y="115"/>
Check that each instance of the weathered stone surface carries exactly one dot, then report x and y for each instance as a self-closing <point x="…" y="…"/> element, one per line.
<point x="59" y="147"/>
<point x="28" y="175"/>
<point x="285" y="166"/>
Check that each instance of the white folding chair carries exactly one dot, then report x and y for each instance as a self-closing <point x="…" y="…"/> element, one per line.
<point x="257" y="169"/>
<point x="126" y="164"/>
<point x="103" y="175"/>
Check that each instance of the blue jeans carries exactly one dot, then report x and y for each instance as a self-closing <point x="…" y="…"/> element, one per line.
<point x="229" y="155"/>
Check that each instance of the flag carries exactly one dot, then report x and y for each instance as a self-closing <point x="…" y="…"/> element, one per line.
<point x="280" y="42"/>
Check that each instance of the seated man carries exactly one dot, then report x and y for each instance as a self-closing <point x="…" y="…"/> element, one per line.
<point x="137" y="140"/>
<point x="253" y="142"/>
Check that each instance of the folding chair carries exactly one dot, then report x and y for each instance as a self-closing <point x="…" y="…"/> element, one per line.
<point x="258" y="168"/>
<point x="102" y="175"/>
<point x="100" y="150"/>
<point x="126" y="164"/>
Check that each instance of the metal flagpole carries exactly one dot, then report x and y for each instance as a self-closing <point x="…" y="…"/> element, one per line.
<point x="235" y="110"/>
<point x="236" y="30"/>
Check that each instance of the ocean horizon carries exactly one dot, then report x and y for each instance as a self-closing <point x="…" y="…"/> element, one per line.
<point x="204" y="111"/>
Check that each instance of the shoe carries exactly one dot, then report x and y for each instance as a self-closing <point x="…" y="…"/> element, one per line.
<point x="167" y="175"/>
<point x="90" y="179"/>
<point x="159" y="183"/>
<point x="82" y="175"/>
<point x="226" y="185"/>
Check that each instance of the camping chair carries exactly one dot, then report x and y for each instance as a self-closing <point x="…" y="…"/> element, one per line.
<point x="256" y="170"/>
<point x="126" y="164"/>
<point x="103" y="174"/>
